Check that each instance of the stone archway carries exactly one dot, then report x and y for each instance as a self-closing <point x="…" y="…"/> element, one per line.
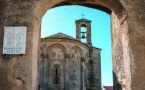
<point x="118" y="15"/>
<point x="20" y="72"/>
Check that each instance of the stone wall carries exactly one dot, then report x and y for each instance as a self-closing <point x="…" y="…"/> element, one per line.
<point x="135" y="37"/>
<point x="72" y="75"/>
<point x="94" y="70"/>
<point x="19" y="72"/>
<point x="118" y="40"/>
<point x="128" y="46"/>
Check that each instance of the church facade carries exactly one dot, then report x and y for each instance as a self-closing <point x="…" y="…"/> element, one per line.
<point x="68" y="64"/>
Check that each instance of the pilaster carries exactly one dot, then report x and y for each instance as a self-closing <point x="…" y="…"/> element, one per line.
<point x="67" y="58"/>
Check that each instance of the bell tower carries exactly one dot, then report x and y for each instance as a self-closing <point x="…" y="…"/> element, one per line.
<point x="87" y="34"/>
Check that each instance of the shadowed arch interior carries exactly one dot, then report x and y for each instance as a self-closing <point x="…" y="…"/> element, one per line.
<point x="106" y="6"/>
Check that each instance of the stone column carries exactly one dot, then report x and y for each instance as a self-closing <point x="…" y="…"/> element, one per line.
<point x="78" y="32"/>
<point x="83" y="87"/>
<point x="89" y="34"/>
<point x="45" y="75"/>
<point x="67" y="58"/>
<point x="41" y="74"/>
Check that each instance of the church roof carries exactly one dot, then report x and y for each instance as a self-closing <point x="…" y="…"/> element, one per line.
<point x="61" y="35"/>
<point x="83" y="19"/>
<point x="108" y="87"/>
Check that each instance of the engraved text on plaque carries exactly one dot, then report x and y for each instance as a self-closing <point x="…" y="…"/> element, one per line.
<point x="14" y="40"/>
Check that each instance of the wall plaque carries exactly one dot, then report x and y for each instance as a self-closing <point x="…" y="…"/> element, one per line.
<point x="14" y="40"/>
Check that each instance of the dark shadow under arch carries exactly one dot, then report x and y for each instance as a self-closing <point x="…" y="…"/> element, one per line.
<point x="108" y="6"/>
<point x="95" y="6"/>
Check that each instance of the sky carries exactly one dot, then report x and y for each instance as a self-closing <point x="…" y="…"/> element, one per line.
<point x="62" y="19"/>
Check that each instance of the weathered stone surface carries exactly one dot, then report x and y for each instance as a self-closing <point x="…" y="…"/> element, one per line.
<point x="71" y="60"/>
<point x="20" y="72"/>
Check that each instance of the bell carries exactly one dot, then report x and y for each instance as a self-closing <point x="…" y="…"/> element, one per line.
<point x="83" y="36"/>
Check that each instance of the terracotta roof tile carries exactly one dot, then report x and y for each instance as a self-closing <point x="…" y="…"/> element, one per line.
<point x="108" y="87"/>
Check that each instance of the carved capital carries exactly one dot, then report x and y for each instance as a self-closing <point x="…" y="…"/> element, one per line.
<point x="45" y="55"/>
<point x="82" y="59"/>
<point x="67" y="55"/>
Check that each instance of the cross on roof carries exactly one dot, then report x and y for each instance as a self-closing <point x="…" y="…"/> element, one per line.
<point x="82" y="15"/>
